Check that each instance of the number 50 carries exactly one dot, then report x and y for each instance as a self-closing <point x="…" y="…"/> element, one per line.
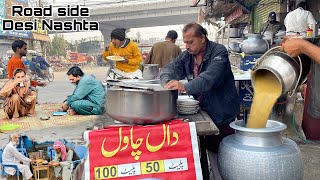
<point x="152" y="167"/>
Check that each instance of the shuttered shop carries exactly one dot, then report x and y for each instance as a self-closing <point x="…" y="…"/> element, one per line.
<point x="261" y="12"/>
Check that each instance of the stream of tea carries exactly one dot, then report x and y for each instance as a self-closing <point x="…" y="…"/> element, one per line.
<point x="267" y="89"/>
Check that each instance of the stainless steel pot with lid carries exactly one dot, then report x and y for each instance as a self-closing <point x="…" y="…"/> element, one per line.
<point x="137" y="106"/>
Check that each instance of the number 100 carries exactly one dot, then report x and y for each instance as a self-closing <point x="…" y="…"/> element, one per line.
<point x="106" y="172"/>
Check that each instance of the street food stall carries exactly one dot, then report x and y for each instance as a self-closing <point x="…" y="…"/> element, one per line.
<point x="143" y="151"/>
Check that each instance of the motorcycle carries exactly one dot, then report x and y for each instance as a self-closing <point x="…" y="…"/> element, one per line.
<point x="46" y="74"/>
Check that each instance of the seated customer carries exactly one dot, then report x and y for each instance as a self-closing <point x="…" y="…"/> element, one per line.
<point x="20" y="100"/>
<point x="63" y="161"/>
<point x="89" y="96"/>
<point x="12" y="156"/>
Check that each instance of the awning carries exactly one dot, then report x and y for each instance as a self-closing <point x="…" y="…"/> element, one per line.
<point x="233" y="10"/>
<point x="41" y="37"/>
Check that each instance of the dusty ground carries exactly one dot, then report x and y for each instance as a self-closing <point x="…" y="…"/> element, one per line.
<point x="310" y="151"/>
<point x="55" y="92"/>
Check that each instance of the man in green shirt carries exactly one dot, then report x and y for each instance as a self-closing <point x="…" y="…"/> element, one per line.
<point x="89" y="96"/>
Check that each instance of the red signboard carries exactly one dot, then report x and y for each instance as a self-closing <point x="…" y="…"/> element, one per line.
<point x="163" y="151"/>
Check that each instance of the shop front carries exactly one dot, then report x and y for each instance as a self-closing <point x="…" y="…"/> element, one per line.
<point x="8" y="37"/>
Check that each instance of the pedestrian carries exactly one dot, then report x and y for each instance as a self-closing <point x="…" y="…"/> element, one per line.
<point x="207" y="68"/>
<point x="164" y="52"/>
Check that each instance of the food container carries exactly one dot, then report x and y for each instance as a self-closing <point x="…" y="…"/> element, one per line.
<point x="259" y="154"/>
<point x="137" y="106"/>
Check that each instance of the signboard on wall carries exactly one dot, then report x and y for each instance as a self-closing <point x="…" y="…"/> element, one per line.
<point x="20" y="34"/>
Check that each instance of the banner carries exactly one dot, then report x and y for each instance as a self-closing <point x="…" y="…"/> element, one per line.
<point x="163" y="151"/>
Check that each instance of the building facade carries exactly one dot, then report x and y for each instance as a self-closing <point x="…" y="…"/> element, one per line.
<point x="32" y="38"/>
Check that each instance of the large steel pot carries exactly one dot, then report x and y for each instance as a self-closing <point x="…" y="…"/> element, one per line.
<point x="254" y="44"/>
<point x="141" y="81"/>
<point x="134" y="106"/>
<point x="259" y="154"/>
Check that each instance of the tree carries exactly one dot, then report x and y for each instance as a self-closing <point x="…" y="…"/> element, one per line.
<point x="58" y="46"/>
<point x="71" y="46"/>
<point x="89" y="47"/>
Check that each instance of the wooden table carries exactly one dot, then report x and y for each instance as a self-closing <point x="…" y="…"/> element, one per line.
<point x="37" y="168"/>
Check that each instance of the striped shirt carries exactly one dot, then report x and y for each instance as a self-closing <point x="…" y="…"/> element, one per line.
<point x="298" y="20"/>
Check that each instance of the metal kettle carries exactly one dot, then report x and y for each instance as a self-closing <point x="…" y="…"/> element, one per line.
<point x="254" y="44"/>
